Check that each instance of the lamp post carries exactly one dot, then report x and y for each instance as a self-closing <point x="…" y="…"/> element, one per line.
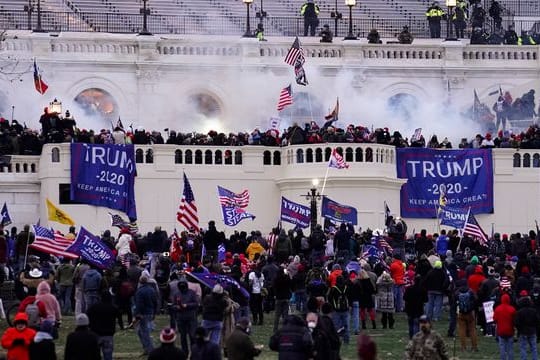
<point x="55" y="106"/>
<point x="145" y="12"/>
<point x="29" y="8"/>
<point x="450" y="4"/>
<point x="350" y="4"/>
<point x="261" y="15"/>
<point x="248" y="28"/>
<point x="336" y="15"/>
<point x="313" y="196"/>
<point x="38" y="26"/>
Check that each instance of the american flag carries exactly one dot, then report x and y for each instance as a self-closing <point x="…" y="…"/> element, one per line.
<point x="187" y="212"/>
<point x="472" y="227"/>
<point x="383" y="244"/>
<point x="336" y="161"/>
<point x="47" y="241"/>
<point x="119" y="222"/>
<point x="39" y="84"/>
<point x="285" y="98"/>
<point x="294" y="53"/>
<point x="229" y="199"/>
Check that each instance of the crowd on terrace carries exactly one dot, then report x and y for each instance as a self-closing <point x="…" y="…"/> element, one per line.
<point x="16" y="139"/>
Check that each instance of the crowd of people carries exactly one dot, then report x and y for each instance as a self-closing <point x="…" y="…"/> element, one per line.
<point x="320" y="291"/>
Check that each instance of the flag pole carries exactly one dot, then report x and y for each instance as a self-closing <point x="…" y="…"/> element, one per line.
<point x="463" y="229"/>
<point x="26" y="251"/>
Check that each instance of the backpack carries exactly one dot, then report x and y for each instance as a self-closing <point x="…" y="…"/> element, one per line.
<point x="342" y="303"/>
<point x="465" y="302"/>
<point x="32" y="311"/>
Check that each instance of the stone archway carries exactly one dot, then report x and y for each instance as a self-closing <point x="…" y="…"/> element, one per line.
<point x="99" y="103"/>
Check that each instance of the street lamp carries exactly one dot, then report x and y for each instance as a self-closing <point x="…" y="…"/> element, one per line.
<point x="248" y="29"/>
<point x="145" y="12"/>
<point x="313" y="196"/>
<point x="336" y="15"/>
<point x="55" y="106"/>
<point x="450" y="4"/>
<point x="350" y="4"/>
<point x="38" y="27"/>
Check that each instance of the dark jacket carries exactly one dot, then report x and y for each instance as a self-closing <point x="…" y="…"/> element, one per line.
<point x="415" y="297"/>
<point x="526" y="319"/>
<point x="82" y="338"/>
<point x="436" y="280"/>
<point x="102" y="318"/>
<point x="42" y="347"/>
<point x="282" y="287"/>
<point x="167" y="352"/>
<point x="293" y="341"/>
<point x="240" y="347"/>
<point x="145" y="300"/>
<point x="214" y="306"/>
<point x="205" y="350"/>
<point x="211" y="239"/>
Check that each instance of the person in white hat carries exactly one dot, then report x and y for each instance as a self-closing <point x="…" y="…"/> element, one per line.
<point x="167" y="350"/>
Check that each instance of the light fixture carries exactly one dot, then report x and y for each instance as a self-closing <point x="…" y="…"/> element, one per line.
<point x="55" y="106"/>
<point x="248" y="28"/>
<point x="315" y="182"/>
<point x="350" y="35"/>
<point x="145" y="12"/>
<point x="313" y="196"/>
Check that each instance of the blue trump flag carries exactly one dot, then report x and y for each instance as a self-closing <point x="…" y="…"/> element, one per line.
<point x="6" y="218"/>
<point x="104" y="175"/>
<point x="338" y="212"/>
<point x="227" y="282"/>
<point x="465" y="176"/>
<point x="294" y="213"/>
<point x="232" y="206"/>
<point x="454" y="217"/>
<point x="92" y="249"/>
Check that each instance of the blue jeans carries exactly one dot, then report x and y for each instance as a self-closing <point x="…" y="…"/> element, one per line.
<point x="341" y="322"/>
<point x="106" y="343"/>
<point x="506" y="347"/>
<point x="90" y="298"/>
<point x="414" y="326"/>
<point x="434" y="305"/>
<point x="356" y="316"/>
<point x="143" y="332"/>
<point x="65" y="298"/>
<point x="301" y="299"/>
<point x="213" y="328"/>
<point x="398" y="297"/>
<point x="530" y="341"/>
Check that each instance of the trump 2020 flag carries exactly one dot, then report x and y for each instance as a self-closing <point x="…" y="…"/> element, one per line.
<point x="452" y="216"/>
<point x="6" y="219"/>
<point x="232" y="206"/>
<point x="91" y="248"/>
<point x="337" y="212"/>
<point x="294" y="213"/>
<point x="104" y="175"/>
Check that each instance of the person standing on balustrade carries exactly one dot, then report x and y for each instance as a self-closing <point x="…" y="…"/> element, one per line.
<point x="310" y="12"/>
<point x="434" y="16"/>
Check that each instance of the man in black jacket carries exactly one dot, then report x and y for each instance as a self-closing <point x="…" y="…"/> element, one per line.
<point x="167" y="350"/>
<point x="525" y="322"/>
<point x="102" y="318"/>
<point x="293" y="341"/>
<point x="211" y="240"/>
<point x="82" y="344"/>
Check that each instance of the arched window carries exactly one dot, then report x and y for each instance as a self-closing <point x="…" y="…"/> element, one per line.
<point x="349" y="154"/>
<point x="218" y="157"/>
<point x="25" y="168"/>
<point x="208" y="157"/>
<point x="327" y="153"/>
<point x="267" y="158"/>
<point x="536" y="160"/>
<point x="149" y="156"/>
<point x="238" y="157"/>
<point x="198" y="157"/>
<point x="369" y="155"/>
<point x="517" y="160"/>
<point x="526" y="160"/>
<point x="55" y="155"/>
<point x="139" y="156"/>
<point x="178" y="157"/>
<point x="299" y="156"/>
<point x="309" y="155"/>
<point x="359" y="155"/>
<point x="189" y="157"/>
<point x="277" y="157"/>
<point x="98" y="103"/>
<point x="228" y="157"/>
<point x="33" y="168"/>
<point x="318" y="155"/>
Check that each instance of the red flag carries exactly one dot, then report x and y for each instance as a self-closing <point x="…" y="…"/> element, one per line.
<point x="40" y="85"/>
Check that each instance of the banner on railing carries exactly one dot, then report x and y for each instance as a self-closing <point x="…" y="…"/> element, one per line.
<point x="465" y="176"/>
<point x="104" y="175"/>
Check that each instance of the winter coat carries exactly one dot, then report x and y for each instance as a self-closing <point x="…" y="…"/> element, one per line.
<point x="123" y="244"/>
<point x="82" y="338"/>
<point x="228" y="319"/>
<point x="102" y="318"/>
<point x="293" y="341"/>
<point x="42" y="347"/>
<point x="22" y="340"/>
<point x="205" y="350"/>
<point x="385" y="295"/>
<point x="52" y="306"/>
<point x="526" y="319"/>
<point x="145" y="300"/>
<point x="415" y="297"/>
<point x="397" y="270"/>
<point x="366" y="295"/>
<point x="214" y="306"/>
<point x="167" y="352"/>
<point x="240" y="347"/>
<point x="504" y="316"/>
<point x="436" y="280"/>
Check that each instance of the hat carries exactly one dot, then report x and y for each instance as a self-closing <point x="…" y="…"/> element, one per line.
<point x="217" y="289"/>
<point x="424" y="318"/>
<point x="82" y="320"/>
<point x="523" y="293"/>
<point x="505" y="283"/>
<point x="438" y="264"/>
<point x="35" y="273"/>
<point x="474" y="260"/>
<point x="47" y="326"/>
<point x="525" y="270"/>
<point x="167" y="336"/>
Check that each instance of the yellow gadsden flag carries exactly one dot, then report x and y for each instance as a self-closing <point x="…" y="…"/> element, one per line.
<point x="58" y="215"/>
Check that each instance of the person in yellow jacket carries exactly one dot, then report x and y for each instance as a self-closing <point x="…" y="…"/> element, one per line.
<point x="254" y="248"/>
<point x="310" y="12"/>
<point x="434" y="16"/>
<point x="526" y="39"/>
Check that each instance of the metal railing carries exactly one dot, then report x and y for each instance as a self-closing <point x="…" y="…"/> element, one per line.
<point x="204" y="25"/>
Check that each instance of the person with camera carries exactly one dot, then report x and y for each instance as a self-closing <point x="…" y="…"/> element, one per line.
<point x="326" y="34"/>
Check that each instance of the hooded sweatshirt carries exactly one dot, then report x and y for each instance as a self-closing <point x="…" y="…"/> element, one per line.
<point x="504" y="316"/>
<point x="51" y="304"/>
<point x="18" y="351"/>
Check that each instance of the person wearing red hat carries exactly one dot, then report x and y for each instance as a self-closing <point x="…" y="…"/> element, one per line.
<point x="167" y="350"/>
<point x="504" y="316"/>
<point x="525" y="281"/>
<point x="16" y="340"/>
